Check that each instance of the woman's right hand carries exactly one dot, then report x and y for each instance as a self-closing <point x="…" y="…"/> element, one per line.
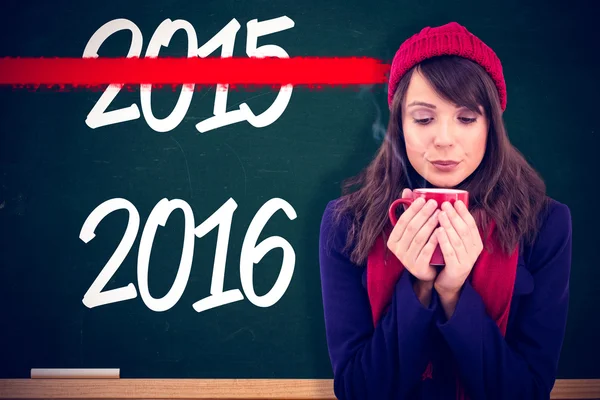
<point x="412" y="241"/>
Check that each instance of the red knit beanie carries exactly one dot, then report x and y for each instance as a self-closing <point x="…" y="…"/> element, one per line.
<point x="449" y="39"/>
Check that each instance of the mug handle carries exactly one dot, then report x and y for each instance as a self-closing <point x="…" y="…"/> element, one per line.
<point x="394" y="206"/>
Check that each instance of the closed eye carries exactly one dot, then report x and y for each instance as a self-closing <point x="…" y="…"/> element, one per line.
<point x="423" y="121"/>
<point x="466" y="120"/>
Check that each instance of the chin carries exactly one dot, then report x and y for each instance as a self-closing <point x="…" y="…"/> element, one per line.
<point x="442" y="179"/>
<point x="445" y="181"/>
<point x="445" y="185"/>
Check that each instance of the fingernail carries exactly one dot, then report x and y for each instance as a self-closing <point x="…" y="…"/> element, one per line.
<point x="420" y="201"/>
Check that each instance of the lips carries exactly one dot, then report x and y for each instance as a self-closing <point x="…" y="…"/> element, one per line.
<point x="445" y="162"/>
<point x="445" y="165"/>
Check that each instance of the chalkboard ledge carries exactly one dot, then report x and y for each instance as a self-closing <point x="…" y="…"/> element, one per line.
<point x="289" y="389"/>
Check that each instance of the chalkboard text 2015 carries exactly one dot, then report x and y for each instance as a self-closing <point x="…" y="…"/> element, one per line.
<point x="225" y="39"/>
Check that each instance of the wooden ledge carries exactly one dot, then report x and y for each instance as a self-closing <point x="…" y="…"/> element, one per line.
<point x="217" y="389"/>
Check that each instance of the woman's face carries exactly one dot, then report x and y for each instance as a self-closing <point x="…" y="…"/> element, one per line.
<point x="444" y="143"/>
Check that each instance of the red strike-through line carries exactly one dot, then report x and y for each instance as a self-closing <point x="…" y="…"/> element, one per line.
<point x="171" y="70"/>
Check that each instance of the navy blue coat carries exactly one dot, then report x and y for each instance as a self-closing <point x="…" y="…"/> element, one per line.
<point x="386" y="361"/>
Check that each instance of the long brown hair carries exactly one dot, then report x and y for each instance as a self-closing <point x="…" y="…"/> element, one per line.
<point x="504" y="187"/>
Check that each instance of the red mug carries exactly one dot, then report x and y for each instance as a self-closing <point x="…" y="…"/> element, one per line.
<point x="440" y="196"/>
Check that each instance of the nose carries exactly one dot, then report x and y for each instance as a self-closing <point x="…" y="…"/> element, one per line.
<point x="444" y="136"/>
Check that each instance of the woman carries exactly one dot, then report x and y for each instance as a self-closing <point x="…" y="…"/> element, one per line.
<point x="490" y="324"/>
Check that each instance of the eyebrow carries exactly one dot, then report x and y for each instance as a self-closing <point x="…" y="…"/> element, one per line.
<point x="420" y="103"/>
<point x="432" y="106"/>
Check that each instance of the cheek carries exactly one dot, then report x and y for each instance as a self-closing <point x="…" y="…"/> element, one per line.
<point x="415" y="149"/>
<point x="480" y="144"/>
<point x="476" y="147"/>
<point x="414" y="142"/>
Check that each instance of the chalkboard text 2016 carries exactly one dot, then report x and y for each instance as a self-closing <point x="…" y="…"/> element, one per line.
<point x="251" y="253"/>
<point x="225" y="38"/>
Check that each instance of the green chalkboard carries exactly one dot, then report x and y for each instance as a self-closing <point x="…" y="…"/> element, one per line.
<point x="56" y="170"/>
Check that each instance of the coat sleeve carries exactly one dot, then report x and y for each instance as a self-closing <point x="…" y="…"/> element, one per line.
<point x="381" y="362"/>
<point x="524" y="365"/>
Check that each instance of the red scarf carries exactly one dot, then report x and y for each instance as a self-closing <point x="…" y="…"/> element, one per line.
<point x="493" y="277"/>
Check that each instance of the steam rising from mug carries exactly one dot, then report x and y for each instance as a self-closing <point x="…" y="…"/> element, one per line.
<point x="379" y="134"/>
<point x="377" y="127"/>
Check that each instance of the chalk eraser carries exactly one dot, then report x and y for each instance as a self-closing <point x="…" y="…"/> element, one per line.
<point x="75" y="373"/>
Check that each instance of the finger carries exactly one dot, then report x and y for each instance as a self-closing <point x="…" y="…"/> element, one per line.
<point x="447" y="249"/>
<point x="404" y="219"/>
<point x="454" y="239"/>
<point x="459" y="225"/>
<point x="426" y="252"/>
<point x="406" y="194"/>
<point x="462" y="210"/>
<point x="415" y="224"/>
<point x="421" y="238"/>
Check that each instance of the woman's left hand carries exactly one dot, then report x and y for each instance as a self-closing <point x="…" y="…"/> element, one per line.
<point x="461" y="244"/>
